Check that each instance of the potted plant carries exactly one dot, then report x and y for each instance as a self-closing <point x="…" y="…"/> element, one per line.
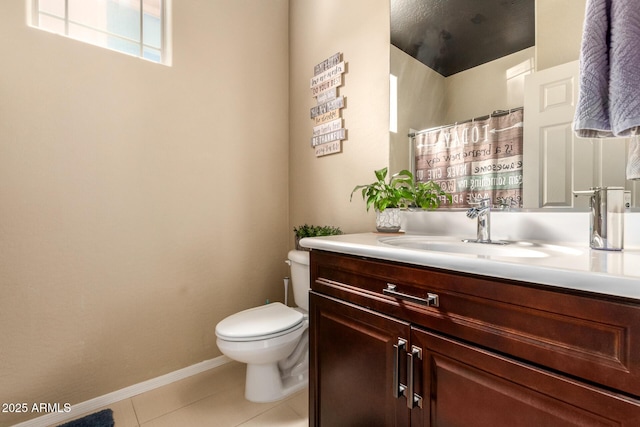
<point x="426" y="195"/>
<point x="400" y="191"/>
<point x="305" y="230"/>
<point x="387" y="197"/>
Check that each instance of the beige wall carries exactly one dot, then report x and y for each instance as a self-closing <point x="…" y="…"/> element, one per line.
<point x="421" y="100"/>
<point x="496" y="85"/>
<point x="319" y="188"/>
<point x="558" y="31"/>
<point x="140" y="204"/>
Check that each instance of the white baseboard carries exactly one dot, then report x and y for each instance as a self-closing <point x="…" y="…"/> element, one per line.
<point x="125" y="393"/>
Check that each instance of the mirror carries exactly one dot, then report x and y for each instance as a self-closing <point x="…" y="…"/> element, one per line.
<point x="427" y="99"/>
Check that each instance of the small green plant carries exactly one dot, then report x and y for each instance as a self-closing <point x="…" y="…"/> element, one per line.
<point x="426" y="195"/>
<point x="397" y="192"/>
<point x="315" y="231"/>
<point x="401" y="191"/>
<point x="305" y="230"/>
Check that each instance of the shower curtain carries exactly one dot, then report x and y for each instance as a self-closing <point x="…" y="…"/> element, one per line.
<point x="474" y="160"/>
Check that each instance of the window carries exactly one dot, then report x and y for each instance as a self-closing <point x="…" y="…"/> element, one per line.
<point x="135" y="27"/>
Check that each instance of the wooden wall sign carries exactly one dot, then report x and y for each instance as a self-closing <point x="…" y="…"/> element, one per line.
<point x="328" y="131"/>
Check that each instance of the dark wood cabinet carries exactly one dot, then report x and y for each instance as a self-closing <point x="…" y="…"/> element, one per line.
<point x="353" y="367"/>
<point x="469" y="386"/>
<point x="489" y="353"/>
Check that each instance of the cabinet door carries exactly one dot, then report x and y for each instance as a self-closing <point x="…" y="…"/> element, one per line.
<point x="353" y="361"/>
<point x="463" y="385"/>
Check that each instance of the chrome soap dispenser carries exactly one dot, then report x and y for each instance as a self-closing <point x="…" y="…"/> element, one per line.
<point x="607" y="217"/>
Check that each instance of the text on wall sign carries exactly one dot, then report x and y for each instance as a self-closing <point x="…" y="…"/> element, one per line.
<point x="328" y="127"/>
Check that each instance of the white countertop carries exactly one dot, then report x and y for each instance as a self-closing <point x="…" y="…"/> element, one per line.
<point x="613" y="273"/>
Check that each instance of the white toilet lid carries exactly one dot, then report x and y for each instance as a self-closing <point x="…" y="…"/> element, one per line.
<point x="259" y="322"/>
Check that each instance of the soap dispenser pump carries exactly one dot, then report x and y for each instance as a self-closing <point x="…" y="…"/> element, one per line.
<point x="607" y="217"/>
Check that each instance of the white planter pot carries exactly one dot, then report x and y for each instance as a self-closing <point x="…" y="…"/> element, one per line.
<point x="388" y="221"/>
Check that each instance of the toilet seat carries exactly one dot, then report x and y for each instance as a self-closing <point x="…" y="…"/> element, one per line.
<point x="260" y="323"/>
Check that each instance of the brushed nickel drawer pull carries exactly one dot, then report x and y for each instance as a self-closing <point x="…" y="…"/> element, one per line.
<point x="398" y="388"/>
<point x="413" y="399"/>
<point x="432" y="300"/>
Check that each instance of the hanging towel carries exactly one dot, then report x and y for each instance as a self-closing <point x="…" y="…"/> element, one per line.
<point x="609" y="97"/>
<point x="633" y="158"/>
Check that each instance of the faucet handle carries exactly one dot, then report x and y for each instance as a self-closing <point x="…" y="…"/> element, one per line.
<point x="480" y="207"/>
<point x="482" y="201"/>
<point x="505" y="203"/>
<point x="585" y="192"/>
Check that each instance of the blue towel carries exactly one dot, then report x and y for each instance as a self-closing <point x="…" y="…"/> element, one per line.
<point x="609" y="97"/>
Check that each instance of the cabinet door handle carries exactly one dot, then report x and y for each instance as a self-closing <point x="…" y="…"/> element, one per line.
<point x="398" y="388"/>
<point x="432" y="300"/>
<point x="413" y="399"/>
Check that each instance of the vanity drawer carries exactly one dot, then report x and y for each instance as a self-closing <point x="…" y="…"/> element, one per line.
<point x="585" y="336"/>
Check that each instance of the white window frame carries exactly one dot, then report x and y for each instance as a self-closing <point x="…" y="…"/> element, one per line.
<point x="165" y="57"/>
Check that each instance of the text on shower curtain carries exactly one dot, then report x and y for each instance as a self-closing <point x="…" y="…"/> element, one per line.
<point x="478" y="159"/>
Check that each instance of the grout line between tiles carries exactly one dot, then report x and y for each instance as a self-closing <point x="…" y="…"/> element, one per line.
<point x="134" y="411"/>
<point x="283" y="403"/>
<point x="182" y="407"/>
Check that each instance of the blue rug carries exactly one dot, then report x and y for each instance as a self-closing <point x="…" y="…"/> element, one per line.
<point x="103" y="418"/>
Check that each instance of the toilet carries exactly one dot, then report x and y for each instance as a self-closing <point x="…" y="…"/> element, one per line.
<point x="273" y="340"/>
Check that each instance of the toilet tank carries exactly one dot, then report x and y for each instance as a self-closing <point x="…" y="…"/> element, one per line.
<point x="300" y="277"/>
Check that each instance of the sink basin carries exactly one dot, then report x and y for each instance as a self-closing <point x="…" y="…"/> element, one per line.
<point x="505" y="249"/>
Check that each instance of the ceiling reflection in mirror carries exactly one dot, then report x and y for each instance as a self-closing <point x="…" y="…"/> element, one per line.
<point x="450" y="36"/>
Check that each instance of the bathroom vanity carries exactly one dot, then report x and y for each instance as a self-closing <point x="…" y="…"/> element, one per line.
<point x="402" y="336"/>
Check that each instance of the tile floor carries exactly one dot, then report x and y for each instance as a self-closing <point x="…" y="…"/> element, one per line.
<point x="212" y="398"/>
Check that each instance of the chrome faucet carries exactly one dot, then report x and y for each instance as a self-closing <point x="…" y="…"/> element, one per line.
<point x="483" y="213"/>
<point x="607" y="217"/>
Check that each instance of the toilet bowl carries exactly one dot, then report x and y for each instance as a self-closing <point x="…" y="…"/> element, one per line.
<point x="272" y="340"/>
